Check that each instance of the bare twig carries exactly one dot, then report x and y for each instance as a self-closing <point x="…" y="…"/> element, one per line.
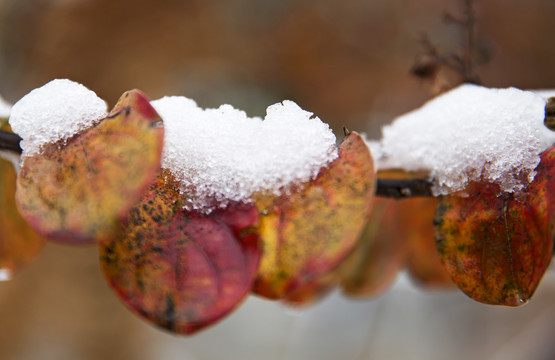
<point x="468" y="24"/>
<point x="427" y="65"/>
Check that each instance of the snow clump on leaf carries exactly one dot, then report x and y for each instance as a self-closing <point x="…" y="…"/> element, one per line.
<point x="56" y="111"/>
<point x="470" y="133"/>
<point x="221" y="155"/>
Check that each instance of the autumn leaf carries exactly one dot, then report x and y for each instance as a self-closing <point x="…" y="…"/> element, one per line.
<point x="544" y="182"/>
<point x="422" y="259"/>
<point x="496" y="247"/>
<point x="399" y="234"/>
<point x="312" y="292"/>
<point x="308" y="233"/>
<point x="19" y="244"/>
<point x="76" y="191"/>
<point x="379" y="254"/>
<point x="181" y="270"/>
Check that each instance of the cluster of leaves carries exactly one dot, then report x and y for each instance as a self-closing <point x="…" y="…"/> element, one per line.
<point x="184" y="270"/>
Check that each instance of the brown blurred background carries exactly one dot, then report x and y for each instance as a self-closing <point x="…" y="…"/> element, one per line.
<point x="346" y="61"/>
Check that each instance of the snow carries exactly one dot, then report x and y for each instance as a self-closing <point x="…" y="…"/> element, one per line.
<point x="5" y="108"/>
<point x="56" y="111"/>
<point x="222" y="155"/>
<point x="470" y="133"/>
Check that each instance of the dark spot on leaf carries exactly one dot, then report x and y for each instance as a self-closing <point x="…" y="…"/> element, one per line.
<point x="169" y="313"/>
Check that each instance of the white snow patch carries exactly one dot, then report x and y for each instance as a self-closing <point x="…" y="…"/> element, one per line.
<point x="222" y="156"/>
<point x="55" y="111"/>
<point x="5" y="108"/>
<point x="468" y="134"/>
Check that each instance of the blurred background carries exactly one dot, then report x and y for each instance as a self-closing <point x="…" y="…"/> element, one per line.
<point x="346" y="61"/>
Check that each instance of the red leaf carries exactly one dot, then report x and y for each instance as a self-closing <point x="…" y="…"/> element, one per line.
<point x="497" y="247"/>
<point x="182" y="270"/>
<point x="544" y="183"/>
<point x="77" y="191"/>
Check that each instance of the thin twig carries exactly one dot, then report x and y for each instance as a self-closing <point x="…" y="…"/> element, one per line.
<point x="427" y="65"/>
<point x="468" y="25"/>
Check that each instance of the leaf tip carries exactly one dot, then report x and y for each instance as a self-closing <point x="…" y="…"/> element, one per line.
<point x="143" y="105"/>
<point x="516" y="299"/>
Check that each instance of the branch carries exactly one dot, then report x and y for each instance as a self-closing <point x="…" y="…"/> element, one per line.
<point x="403" y="189"/>
<point x="392" y="188"/>
<point x="10" y="141"/>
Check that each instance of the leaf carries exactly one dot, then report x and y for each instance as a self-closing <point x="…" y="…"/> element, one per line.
<point x="399" y="234"/>
<point x="19" y="244"/>
<point x="544" y="182"/>
<point x="379" y="254"/>
<point x="77" y="191"/>
<point x="497" y="247"/>
<point x="308" y="233"/>
<point x="312" y="292"/>
<point x="422" y="259"/>
<point x="183" y="271"/>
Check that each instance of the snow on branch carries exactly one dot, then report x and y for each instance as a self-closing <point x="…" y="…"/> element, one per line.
<point x="468" y="134"/>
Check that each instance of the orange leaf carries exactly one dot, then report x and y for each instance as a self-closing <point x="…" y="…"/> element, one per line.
<point x="19" y="244"/>
<point x="380" y="252"/>
<point x="496" y="247"/>
<point x="422" y="261"/>
<point x="399" y="233"/>
<point x="308" y="233"/>
<point x="77" y="191"/>
<point x="181" y="270"/>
